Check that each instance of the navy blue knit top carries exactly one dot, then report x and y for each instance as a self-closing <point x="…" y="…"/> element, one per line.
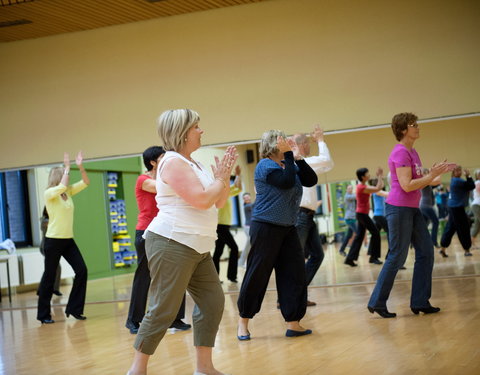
<point x="459" y="191"/>
<point x="279" y="190"/>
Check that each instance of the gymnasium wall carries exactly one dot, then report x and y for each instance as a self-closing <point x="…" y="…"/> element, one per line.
<point x="283" y="64"/>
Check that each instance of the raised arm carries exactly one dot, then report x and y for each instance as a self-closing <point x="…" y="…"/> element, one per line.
<point x="183" y="180"/>
<point x="322" y="162"/>
<point x="238" y="179"/>
<point x="408" y="183"/>
<point x="79" y="162"/>
<point x="379" y="186"/>
<point x="284" y="178"/>
<point x="66" y="172"/>
<point x="149" y="185"/>
<point x="307" y="175"/>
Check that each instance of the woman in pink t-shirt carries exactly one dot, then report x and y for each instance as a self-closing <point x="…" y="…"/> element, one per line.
<point x="405" y="221"/>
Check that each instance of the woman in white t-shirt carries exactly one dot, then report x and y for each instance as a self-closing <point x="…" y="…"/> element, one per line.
<point x="179" y="239"/>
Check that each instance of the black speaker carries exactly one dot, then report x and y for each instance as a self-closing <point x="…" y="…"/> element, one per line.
<point x="250" y="157"/>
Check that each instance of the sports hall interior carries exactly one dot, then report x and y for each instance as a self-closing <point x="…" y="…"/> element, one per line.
<point x="94" y="76"/>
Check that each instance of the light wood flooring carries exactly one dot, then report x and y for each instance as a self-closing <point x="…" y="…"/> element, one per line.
<point x="346" y="339"/>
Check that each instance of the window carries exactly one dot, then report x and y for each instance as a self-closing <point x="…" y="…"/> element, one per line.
<point x="14" y="208"/>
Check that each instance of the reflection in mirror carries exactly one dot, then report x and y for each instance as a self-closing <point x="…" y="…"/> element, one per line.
<point x="22" y="202"/>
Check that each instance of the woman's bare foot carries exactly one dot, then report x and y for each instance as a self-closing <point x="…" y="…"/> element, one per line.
<point x="295" y="326"/>
<point x="242" y="329"/>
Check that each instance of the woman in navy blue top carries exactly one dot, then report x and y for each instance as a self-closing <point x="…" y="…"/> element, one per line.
<point x="279" y="178"/>
<point x="457" y="217"/>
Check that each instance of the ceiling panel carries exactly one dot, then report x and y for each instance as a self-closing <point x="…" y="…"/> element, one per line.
<point x="26" y="19"/>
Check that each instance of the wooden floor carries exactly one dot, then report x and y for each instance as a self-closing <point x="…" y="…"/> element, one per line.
<point x="346" y="340"/>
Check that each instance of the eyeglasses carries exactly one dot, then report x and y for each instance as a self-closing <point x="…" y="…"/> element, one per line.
<point x="414" y="125"/>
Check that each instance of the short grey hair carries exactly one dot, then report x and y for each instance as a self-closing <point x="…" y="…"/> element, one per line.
<point x="173" y="126"/>
<point x="268" y="144"/>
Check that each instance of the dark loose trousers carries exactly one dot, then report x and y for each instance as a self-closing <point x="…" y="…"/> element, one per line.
<point x="457" y="222"/>
<point x="54" y="249"/>
<point x="406" y="226"/>
<point x="141" y="285"/>
<point x="430" y="215"/>
<point x="364" y="223"/>
<point x="310" y="240"/>
<point x="274" y="247"/>
<point x="225" y="238"/>
<point x="351" y="230"/>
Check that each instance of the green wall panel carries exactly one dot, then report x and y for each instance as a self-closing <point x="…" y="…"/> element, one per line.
<point x="92" y="221"/>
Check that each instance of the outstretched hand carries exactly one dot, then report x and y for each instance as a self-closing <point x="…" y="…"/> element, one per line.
<point x="285" y="145"/>
<point x="79" y="158"/>
<point x="379" y="172"/>
<point x="317" y="133"/>
<point x="223" y="168"/>
<point x="441" y="168"/>
<point x="66" y="159"/>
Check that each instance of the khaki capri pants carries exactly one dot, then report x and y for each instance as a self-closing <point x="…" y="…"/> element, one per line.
<point x="174" y="268"/>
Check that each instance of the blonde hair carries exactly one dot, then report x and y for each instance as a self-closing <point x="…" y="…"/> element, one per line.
<point x="268" y="144"/>
<point x="55" y="176"/>
<point x="173" y="126"/>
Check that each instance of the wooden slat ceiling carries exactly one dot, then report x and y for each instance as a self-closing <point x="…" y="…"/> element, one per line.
<point x="39" y="18"/>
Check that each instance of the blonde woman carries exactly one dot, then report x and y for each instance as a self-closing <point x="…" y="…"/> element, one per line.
<point x="179" y="239"/>
<point x="59" y="241"/>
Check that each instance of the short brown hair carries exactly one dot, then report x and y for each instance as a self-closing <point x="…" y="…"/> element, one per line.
<point x="400" y="123"/>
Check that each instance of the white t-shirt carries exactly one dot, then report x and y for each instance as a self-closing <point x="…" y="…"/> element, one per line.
<point x="320" y="164"/>
<point x="179" y="221"/>
<point x="476" y="193"/>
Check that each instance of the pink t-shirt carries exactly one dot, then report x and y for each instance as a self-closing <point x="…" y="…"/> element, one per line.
<point x="403" y="157"/>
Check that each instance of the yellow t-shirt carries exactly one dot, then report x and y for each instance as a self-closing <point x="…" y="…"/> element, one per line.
<point x="60" y="211"/>
<point x="225" y="213"/>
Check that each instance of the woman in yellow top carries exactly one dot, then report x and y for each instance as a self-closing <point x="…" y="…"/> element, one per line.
<point x="59" y="241"/>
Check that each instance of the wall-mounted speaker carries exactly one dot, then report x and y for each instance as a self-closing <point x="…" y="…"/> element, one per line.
<point x="250" y="157"/>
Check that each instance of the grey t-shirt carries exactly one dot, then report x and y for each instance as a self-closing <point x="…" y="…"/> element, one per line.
<point x="247" y="209"/>
<point x="427" y="199"/>
<point x="350" y="206"/>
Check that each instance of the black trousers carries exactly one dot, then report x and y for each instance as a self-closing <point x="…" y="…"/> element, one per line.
<point x="274" y="247"/>
<point x="364" y="223"/>
<point x="58" y="275"/>
<point x="457" y="222"/>
<point x="141" y="285"/>
<point x="54" y="249"/>
<point x="225" y="238"/>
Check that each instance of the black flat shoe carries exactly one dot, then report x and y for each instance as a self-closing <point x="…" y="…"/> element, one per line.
<point x="57" y="293"/>
<point x="375" y="261"/>
<point x="351" y="263"/>
<point x="292" y="333"/>
<point x="77" y="316"/>
<point x="384" y="313"/>
<point x="133" y="327"/>
<point x="425" y="310"/>
<point x="47" y="321"/>
<point x="443" y="254"/>
<point x="178" y="324"/>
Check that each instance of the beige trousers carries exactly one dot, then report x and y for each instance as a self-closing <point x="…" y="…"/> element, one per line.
<point x="175" y="268"/>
